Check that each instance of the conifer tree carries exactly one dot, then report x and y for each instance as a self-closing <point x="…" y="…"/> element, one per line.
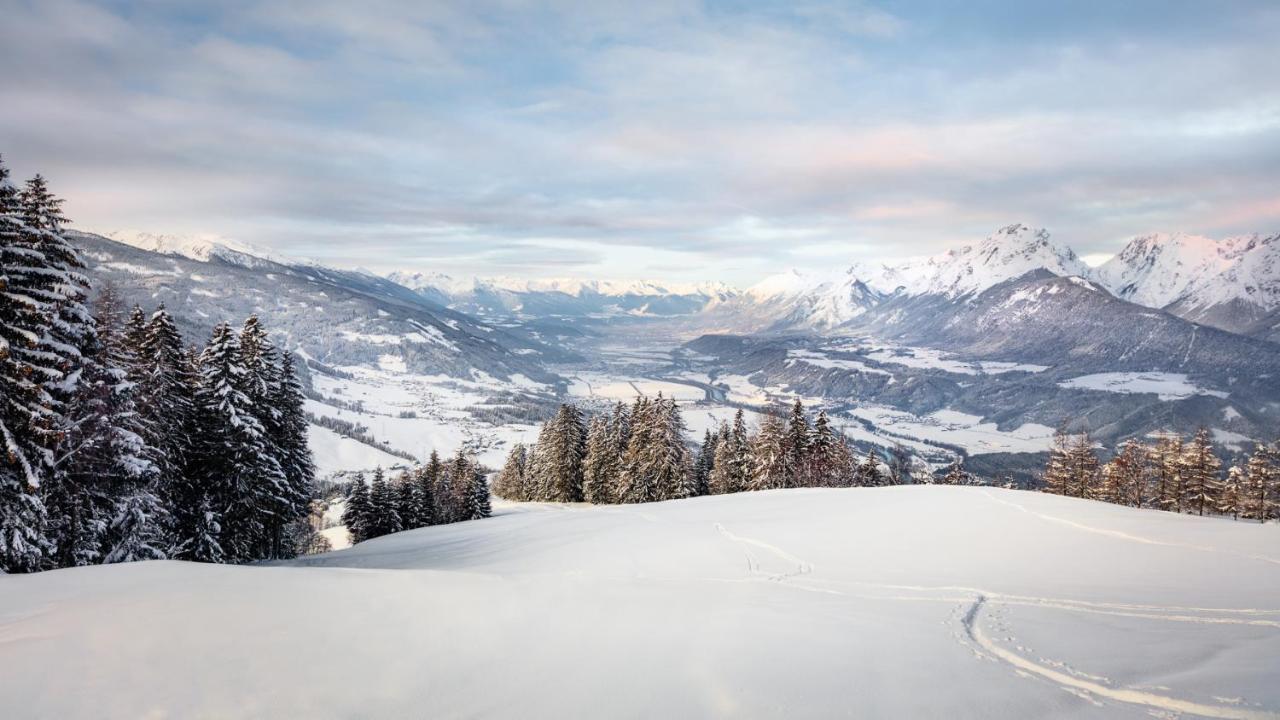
<point x="1200" y="468"/>
<point x="705" y="463"/>
<point x="1229" y="500"/>
<point x="770" y="456"/>
<point x="357" y="513"/>
<point x="1131" y="471"/>
<point x="384" y="519"/>
<point x="1167" y="463"/>
<point x="600" y="464"/>
<point x="477" y="499"/>
<point x="1057" y="472"/>
<point x="235" y="460"/>
<point x="558" y="458"/>
<point x="26" y="408"/>
<point x="869" y="470"/>
<point x="426" y="495"/>
<point x="1083" y="466"/>
<point x="408" y="501"/>
<point x="899" y="465"/>
<point x="446" y="495"/>
<point x="827" y="462"/>
<point x="290" y="441"/>
<point x="433" y="477"/>
<point x="1262" y="481"/>
<point x="167" y="380"/>
<point x="510" y="483"/>
<point x="726" y="476"/>
<point x="797" y="447"/>
<point x="205" y="543"/>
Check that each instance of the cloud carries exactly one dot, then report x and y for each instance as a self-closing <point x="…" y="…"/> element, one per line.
<point x="624" y="140"/>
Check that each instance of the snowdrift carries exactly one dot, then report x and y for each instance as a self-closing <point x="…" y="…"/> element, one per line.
<point x="867" y="602"/>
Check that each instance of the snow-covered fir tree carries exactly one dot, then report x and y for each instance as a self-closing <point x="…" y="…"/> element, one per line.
<point x="727" y="475"/>
<point x="797" y="448"/>
<point x="770" y="456"/>
<point x="384" y="518"/>
<point x="510" y="483"/>
<point x="705" y="462"/>
<point x="600" y="464"/>
<point x="558" y="457"/>
<point x="477" y="497"/>
<point x="356" y="514"/>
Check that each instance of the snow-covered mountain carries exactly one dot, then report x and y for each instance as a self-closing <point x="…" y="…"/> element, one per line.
<point x="1230" y="283"/>
<point x="331" y="316"/>
<point x="823" y="301"/>
<point x="563" y="296"/>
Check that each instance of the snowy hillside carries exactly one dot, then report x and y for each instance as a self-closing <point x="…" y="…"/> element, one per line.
<point x="1227" y="283"/>
<point x="828" y="300"/>
<point x="780" y="604"/>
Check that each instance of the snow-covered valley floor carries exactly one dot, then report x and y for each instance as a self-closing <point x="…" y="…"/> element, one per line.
<point x="916" y="601"/>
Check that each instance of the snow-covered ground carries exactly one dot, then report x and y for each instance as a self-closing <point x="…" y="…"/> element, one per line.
<point x="441" y="416"/>
<point x="917" y="601"/>
<point x="1167" y="386"/>
<point x="957" y="428"/>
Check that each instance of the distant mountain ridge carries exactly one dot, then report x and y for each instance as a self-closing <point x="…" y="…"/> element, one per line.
<point x="336" y="317"/>
<point x="1232" y="284"/>
<point x="563" y="296"/>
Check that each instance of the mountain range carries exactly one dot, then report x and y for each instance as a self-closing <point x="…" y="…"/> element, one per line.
<point x="1231" y="284"/>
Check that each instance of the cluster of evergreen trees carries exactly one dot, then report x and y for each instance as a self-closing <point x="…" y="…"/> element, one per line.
<point x="431" y="494"/>
<point x="1169" y="474"/>
<point x="118" y="443"/>
<point x="638" y="454"/>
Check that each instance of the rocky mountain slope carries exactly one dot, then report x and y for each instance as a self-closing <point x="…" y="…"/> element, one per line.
<point x="1231" y="284"/>
<point x="335" y="317"/>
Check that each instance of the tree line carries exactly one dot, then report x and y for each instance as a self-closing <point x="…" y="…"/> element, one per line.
<point x="121" y="444"/>
<point x="431" y="494"/>
<point x="638" y="453"/>
<point x="1171" y="473"/>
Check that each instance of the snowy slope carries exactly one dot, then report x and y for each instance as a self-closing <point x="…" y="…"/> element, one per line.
<point x="1230" y="283"/>
<point x="790" y="604"/>
<point x="827" y="300"/>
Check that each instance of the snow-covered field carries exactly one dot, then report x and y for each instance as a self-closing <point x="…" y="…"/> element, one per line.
<point x="902" y="602"/>
<point x="442" y="420"/>
<point x="1167" y="386"/>
<point x="957" y="428"/>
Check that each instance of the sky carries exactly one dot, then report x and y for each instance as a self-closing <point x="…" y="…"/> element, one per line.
<point x="672" y="140"/>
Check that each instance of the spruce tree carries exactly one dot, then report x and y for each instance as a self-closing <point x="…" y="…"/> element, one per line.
<point x="770" y="456"/>
<point x="477" y="505"/>
<point x="235" y="458"/>
<point x="384" y="517"/>
<point x="899" y="465"/>
<point x="358" y="512"/>
<point x="167" y="381"/>
<point x="724" y="476"/>
<point x="290" y="440"/>
<point x="27" y="410"/>
<point x="559" y="455"/>
<point x="431" y="478"/>
<point x="870" y="470"/>
<point x="510" y="483"/>
<point x="599" y="465"/>
<point x="705" y="463"/>
<point x="797" y="446"/>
